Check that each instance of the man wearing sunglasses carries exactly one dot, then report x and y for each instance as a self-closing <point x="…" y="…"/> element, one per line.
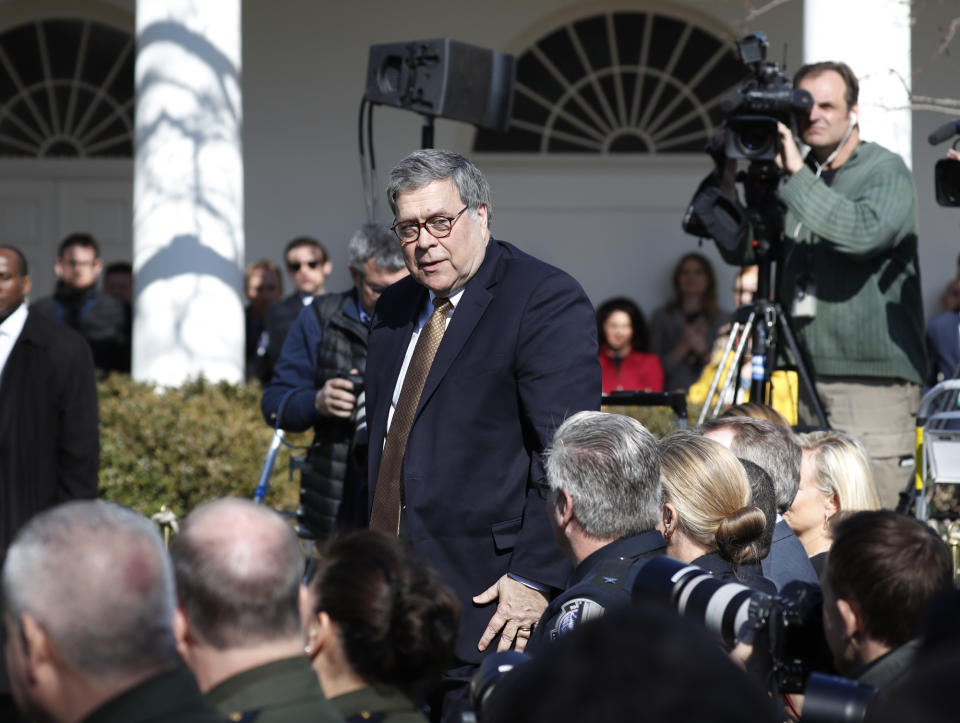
<point x="320" y="375"/>
<point x="474" y="361"/>
<point x="308" y="266"/>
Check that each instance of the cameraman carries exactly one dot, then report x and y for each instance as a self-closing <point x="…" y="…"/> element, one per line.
<point x="326" y="344"/>
<point x="605" y="494"/>
<point x="848" y="272"/>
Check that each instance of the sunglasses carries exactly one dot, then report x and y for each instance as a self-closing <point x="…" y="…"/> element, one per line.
<point x="294" y="267"/>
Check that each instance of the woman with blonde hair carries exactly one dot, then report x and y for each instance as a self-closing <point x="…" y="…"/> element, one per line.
<point x="707" y="518"/>
<point x="835" y="476"/>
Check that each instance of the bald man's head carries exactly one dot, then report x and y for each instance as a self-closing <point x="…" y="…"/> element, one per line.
<point x="238" y="569"/>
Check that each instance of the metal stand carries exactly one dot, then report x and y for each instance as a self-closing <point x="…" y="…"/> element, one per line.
<point x="426" y="133"/>
<point x="763" y="318"/>
<point x="759" y="321"/>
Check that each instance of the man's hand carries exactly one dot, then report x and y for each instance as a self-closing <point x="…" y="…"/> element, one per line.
<point x="953" y="154"/>
<point x="336" y="398"/>
<point x="789" y="158"/>
<point x="518" y="611"/>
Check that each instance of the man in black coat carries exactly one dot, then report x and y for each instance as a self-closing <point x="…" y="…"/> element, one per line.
<point x="308" y="266"/>
<point x="103" y="320"/>
<point x="49" y="438"/>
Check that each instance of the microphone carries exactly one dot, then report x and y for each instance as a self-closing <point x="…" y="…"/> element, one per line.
<point x="944" y="132"/>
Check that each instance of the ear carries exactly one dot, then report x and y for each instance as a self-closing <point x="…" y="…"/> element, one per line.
<point x="181" y="633"/>
<point x="355" y="275"/>
<point x="564" y="508"/>
<point x="482" y="216"/>
<point x="327" y="267"/>
<point x="321" y="633"/>
<point x="850" y="615"/>
<point x="37" y="648"/>
<point x="26" y="286"/>
<point x="668" y="519"/>
<point x="831" y="504"/>
<point x="58" y="267"/>
<point x="854" y="114"/>
<point x="97" y="266"/>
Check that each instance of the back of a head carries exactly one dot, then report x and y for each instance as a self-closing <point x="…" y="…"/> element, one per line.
<point x="771" y="446"/>
<point x="841" y="467"/>
<point x="97" y="578"/>
<point x="764" y="498"/>
<point x="398" y="623"/>
<point x="374" y="241"/>
<point x="635" y="664"/>
<point x="755" y="410"/>
<point x="890" y="566"/>
<point x="709" y="489"/>
<point x="238" y="568"/>
<point x="610" y="465"/>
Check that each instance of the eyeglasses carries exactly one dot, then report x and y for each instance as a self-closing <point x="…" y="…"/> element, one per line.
<point x="294" y="266"/>
<point x="438" y="226"/>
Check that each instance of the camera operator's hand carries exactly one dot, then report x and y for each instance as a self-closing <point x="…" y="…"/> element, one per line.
<point x="336" y="398"/>
<point x="518" y="611"/>
<point x="953" y="154"/>
<point x="790" y="158"/>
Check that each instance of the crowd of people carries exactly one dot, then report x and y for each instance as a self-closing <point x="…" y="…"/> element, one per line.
<point x="465" y="496"/>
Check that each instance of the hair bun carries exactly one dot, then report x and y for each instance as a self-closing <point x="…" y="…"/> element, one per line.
<point x="738" y="535"/>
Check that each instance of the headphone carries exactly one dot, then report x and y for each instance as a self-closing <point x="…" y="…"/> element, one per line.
<point x="853" y="119"/>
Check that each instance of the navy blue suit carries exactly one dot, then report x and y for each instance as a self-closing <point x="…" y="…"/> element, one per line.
<point x="787" y="560"/>
<point x="519" y="356"/>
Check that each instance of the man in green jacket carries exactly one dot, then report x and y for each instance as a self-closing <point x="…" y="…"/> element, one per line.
<point x="238" y="569"/>
<point x="849" y="276"/>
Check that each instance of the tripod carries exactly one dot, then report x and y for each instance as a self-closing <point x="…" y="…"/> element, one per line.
<point x="762" y="320"/>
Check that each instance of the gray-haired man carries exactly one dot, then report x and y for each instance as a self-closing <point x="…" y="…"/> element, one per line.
<point x="604" y="476"/>
<point x="327" y="344"/>
<point x="89" y="599"/>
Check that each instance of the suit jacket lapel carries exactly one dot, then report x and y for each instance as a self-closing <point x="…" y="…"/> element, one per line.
<point x="476" y="297"/>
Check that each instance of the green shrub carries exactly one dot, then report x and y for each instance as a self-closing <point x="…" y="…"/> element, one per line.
<point x="180" y="447"/>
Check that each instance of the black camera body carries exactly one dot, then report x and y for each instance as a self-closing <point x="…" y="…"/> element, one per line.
<point x="764" y="99"/>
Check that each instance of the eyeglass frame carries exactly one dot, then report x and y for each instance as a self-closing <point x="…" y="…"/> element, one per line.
<point x="423" y="224"/>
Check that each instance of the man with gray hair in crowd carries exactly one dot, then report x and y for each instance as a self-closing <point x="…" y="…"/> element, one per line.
<point x="238" y="568"/>
<point x="772" y="448"/>
<point x="604" y="475"/>
<point x="88" y="608"/>
<point x="318" y="382"/>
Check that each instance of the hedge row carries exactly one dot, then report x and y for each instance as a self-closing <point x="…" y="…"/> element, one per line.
<point x="204" y="440"/>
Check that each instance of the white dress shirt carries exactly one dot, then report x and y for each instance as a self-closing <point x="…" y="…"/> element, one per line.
<point x="9" y="333"/>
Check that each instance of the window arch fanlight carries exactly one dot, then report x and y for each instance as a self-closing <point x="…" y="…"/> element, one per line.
<point x="66" y="90"/>
<point x="618" y="82"/>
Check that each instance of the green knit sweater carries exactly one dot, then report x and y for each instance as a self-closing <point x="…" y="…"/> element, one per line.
<point x="857" y="237"/>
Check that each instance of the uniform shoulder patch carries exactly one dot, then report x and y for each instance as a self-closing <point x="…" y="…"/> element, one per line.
<point x="574" y="612"/>
<point x="367" y="716"/>
<point x="243" y="716"/>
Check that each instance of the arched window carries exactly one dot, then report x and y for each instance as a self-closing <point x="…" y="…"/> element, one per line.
<point x="66" y="90"/>
<point x="619" y="82"/>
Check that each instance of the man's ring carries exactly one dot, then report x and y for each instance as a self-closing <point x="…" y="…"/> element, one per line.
<point x="525" y="628"/>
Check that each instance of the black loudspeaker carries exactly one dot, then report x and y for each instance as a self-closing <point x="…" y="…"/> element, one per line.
<point x="444" y="78"/>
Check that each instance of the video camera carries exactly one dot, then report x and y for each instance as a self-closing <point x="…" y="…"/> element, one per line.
<point x="763" y="100"/>
<point x="947" y="171"/>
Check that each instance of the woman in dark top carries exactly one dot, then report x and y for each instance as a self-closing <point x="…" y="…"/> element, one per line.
<point x="707" y="519"/>
<point x="380" y="628"/>
<point x="683" y="331"/>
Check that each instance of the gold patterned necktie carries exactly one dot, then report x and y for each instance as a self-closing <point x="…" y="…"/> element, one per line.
<point x="385" y="515"/>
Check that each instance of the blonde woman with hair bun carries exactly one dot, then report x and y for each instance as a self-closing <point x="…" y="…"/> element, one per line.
<point x="706" y="517"/>
<point x="835" y="476"/>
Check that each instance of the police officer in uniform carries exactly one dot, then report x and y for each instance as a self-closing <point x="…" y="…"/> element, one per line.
<point x="604" y="476"/>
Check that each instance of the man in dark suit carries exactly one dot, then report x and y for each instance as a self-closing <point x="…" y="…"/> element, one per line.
<point x="49" y="438"/>
<point x="518" y="355"/>
<point x="308" y="266"/>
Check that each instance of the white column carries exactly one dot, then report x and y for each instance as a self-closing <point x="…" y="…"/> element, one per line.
<point x="873" y="38"/>
<point x="188" y="248"/>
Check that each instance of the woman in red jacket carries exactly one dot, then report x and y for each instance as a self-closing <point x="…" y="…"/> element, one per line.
<point x="622" y="332"/>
